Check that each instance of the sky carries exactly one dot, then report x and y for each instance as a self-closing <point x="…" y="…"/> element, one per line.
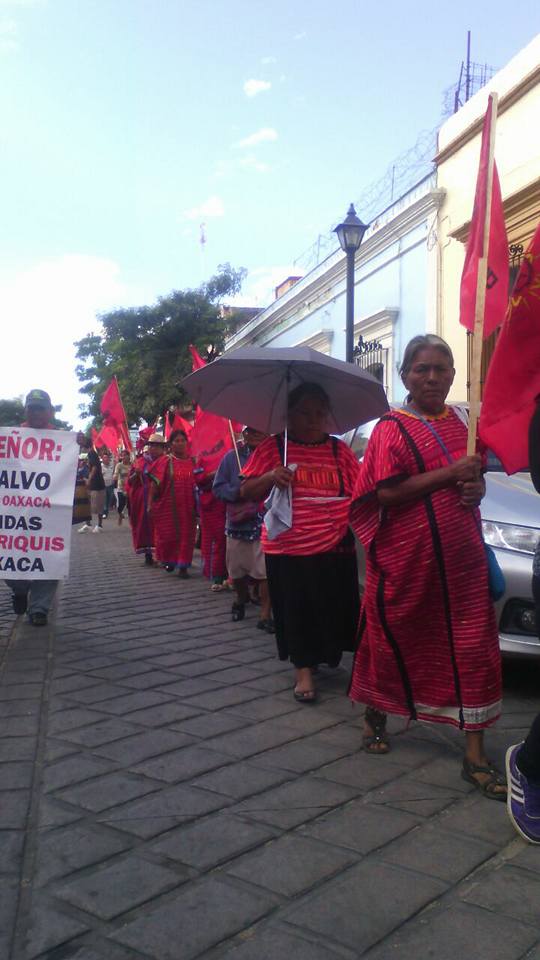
<point x="126" y="124"/>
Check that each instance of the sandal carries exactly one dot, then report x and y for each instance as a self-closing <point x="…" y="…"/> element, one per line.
<point x="487" y="787"/>
<point x="238" y="612"/>
<point x="305" y="696"/>
<point x="376" y="743"/>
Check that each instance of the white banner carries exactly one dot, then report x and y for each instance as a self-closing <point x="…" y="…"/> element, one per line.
<point x="37" y="482"/>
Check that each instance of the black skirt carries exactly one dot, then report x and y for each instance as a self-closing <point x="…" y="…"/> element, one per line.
<point x="316" y="604"/>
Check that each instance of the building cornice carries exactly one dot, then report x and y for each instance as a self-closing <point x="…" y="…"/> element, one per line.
<point x="319" y="286"/>
<point x="520" y="206"/>
<point x="528" y="82"/>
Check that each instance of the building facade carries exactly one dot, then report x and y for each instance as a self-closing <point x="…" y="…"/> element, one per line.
<point x="396" y="292"/>
<point x="517" y="153"/>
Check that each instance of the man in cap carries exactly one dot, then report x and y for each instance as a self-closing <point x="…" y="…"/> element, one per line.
<point x="35" y="597"/>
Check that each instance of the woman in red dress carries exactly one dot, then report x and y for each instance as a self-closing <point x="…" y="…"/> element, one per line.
<point x="428" y="641"/>
<point x="311" y="566"/>
<point x="137" y="489"/>
<point x="172" y="505"/>
<point x="212" y="512"/>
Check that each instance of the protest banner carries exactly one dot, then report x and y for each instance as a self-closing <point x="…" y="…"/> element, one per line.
<point x="37" y="481"/>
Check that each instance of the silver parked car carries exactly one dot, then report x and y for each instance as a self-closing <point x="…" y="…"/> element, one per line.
<point x="511" y="523"/>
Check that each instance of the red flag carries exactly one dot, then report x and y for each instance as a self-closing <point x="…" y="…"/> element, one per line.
<point x="198" y="361"/>
<point x="497" y="248"/>
<point x="112" y="408"/>
<point x="513" y="379"/>
<point x="108" y="437"/>
<point x="178" y="423"/>
<point x="210" y="440"/>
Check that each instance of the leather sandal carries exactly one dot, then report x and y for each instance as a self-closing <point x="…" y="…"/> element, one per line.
<point x="376" y="744"/>
<point x="488" y="786"/>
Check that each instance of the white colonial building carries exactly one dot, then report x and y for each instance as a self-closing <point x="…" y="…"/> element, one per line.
<point x="397" y="292"/>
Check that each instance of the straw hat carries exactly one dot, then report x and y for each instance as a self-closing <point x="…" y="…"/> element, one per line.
<point x="156" y="438"/>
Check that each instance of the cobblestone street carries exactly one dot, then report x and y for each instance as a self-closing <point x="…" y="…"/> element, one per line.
<point x="163" y="797"/>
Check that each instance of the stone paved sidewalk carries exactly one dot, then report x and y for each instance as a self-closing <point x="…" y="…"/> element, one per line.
<point x="162" y="796"/>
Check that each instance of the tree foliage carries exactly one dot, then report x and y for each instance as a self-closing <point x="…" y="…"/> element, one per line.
<point x="12" y="414"/>
<point x="147" y="348"/>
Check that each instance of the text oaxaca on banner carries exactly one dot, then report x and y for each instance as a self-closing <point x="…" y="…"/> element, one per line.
<point x="37" y="480"/>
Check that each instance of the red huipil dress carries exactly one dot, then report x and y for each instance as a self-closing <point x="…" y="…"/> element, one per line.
<point x="428" y="641"/>
<point x="173" y="510"/>
<point x="212" y="513"/>
<point x="137" y="487"/>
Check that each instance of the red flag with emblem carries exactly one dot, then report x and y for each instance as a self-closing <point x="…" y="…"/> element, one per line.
<point x="497" y="247"/>
<point x="513" y="379"/>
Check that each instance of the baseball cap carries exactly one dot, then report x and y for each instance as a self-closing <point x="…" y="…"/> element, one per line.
<point x="38" y="398"/>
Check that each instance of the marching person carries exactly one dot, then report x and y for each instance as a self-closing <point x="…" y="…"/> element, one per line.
<point x="171" y="502"/>
<point x="243" y="524"/>
<point x="428" y="644"/>
<point x="35" y="597"/>
<point x="107" y="469"/>
<point x="96" y="489"/>
<point x="138" y="488"/>
<point x="311" y="565"/>
<point x="212" y="520"/>
<point x="121" y="474"/>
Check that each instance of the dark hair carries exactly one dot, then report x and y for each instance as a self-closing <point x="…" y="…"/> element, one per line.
<point x="423" y="342"/>
<point x="178" y="433"/>
<point x="307" y="390"/>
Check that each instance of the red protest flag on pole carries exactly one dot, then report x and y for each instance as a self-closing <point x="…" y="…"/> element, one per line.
<point x="210" y="439"/>
<point x="484" y="242"/>
<point x="487" y="239"/>
<point x="112" y="409"/>
<point x="513" y="379"/>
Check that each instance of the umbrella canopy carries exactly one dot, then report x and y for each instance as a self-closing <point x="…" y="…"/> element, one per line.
<point x="252" y="385"/>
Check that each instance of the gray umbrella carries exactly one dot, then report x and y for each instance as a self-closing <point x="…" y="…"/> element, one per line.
<point x="252" y="385"/>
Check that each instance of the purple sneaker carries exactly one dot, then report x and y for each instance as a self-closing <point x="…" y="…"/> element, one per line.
<point x="523" y="802"/>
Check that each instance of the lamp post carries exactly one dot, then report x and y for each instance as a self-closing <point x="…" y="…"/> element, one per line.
<point x="350" y="235"/>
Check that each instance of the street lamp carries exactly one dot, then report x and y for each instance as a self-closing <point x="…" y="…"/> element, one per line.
<point x="350" y="235"/>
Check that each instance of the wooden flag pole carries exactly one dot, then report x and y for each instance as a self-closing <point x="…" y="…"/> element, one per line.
<point x="480" y="303"/>
<point x="235" y="445"/>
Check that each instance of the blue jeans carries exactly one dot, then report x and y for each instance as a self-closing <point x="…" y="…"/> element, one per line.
<point x="40" y="593"/>
<point x="109" y="499"/>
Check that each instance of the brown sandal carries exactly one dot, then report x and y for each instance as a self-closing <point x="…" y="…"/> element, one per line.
<point x="487" y="787"/>
<point x="376" y="743"/>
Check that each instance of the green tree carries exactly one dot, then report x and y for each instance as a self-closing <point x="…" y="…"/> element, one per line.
<point x="12" y="414"/>
<point x="147" y="348"/>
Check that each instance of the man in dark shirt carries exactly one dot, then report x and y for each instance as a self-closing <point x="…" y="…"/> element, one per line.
<point x="96" y="489"/>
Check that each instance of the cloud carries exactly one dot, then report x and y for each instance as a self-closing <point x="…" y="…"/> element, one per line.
<point x="21" y="3"/>
<point x="267" y="60"/>
<point x="251" y="163"/>
<point x="212" y="207"/>
<point x="264" y="135"/>
<point x="48" y="305"/>
<point x="253" y="87"/>
<point x="300" y="36"/>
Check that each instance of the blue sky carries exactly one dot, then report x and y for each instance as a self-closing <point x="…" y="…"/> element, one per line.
<point x="128" y="123"/>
